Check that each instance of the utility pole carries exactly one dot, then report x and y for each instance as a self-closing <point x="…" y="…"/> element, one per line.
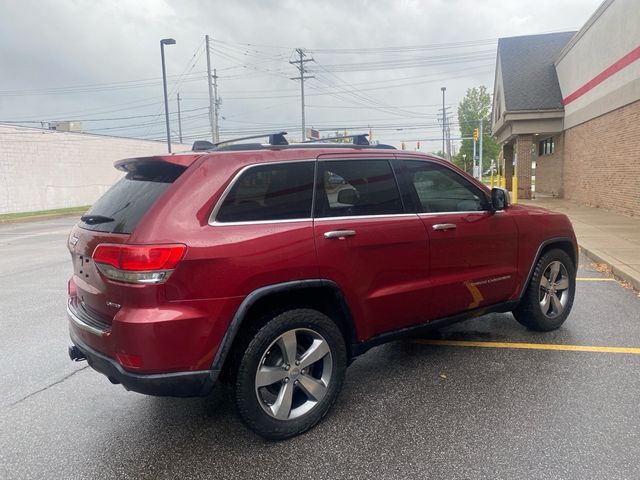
<point x="480" y="153"/>
<point x="444" y="118"/>
<point x="216" y="107"/>
<point x="446" y="133"/>
<point x="300" y="66"/>
<point x="211" y="104"/>
<point x="449" y="144"/>
<point x="179" y="119"/>
<point x="475" y="172"/>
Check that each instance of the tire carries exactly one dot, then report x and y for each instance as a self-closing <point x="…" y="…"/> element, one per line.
<point x="290" y="373"/>
<point x="548" y="299"/>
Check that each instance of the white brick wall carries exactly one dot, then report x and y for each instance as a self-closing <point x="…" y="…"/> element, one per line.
<point x="43" y="169"/>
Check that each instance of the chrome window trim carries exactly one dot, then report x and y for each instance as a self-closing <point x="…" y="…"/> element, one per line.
<point x="355" y="217"/>
<point x="259" y="222"/>
<point x="454" y="212"/>
<point x="212" y="217"/>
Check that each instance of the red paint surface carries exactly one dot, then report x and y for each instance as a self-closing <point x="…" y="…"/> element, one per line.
<point x="394" y="273"/>
<point x="628" y="59"/>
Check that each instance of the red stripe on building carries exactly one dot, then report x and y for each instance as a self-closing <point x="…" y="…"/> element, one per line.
<point x="629" y="58"/>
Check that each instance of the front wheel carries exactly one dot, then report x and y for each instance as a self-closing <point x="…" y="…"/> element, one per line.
<point x="547" y="302"/>
<point x="290" y="373"/>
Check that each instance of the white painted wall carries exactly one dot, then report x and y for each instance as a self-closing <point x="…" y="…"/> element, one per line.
<point x="43" y="169"/>
<point x="611" y="33"/>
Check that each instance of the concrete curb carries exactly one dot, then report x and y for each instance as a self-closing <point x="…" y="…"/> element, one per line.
<point x="621" y="271"/>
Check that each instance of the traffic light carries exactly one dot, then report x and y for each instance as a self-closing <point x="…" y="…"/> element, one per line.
<point x="475" y="134"/>
<point x="401" y="145"/>
<point x="418" y="145"/>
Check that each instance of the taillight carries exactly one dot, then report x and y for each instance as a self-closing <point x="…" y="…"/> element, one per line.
<point x="138" y="263"/>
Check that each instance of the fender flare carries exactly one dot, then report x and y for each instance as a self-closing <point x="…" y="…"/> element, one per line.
<point x="259" y="293"/>
<point x="537" y="256"/>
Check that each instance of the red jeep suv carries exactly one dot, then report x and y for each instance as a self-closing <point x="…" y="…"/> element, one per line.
<point x="272" y="266"/>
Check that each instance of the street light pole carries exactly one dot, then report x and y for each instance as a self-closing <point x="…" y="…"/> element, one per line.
<point x="444" y="121"/>
<point x="163" y="42"/>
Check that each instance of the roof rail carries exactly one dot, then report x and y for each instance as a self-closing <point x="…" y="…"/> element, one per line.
<point x="358" y="139"/>
<point x="276" y="138"/>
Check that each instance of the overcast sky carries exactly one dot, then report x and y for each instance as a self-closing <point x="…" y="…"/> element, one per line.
<point x="67" y="60"/>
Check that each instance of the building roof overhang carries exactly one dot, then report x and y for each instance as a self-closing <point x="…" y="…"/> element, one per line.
<point x="527" y="122"/>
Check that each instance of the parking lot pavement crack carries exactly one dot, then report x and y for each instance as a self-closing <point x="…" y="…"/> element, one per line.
<point x="57" y="382"/>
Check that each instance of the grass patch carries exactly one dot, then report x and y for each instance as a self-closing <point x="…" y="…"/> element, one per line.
<point x="16" y="217"/>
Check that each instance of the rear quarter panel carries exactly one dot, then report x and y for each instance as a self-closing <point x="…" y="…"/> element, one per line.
<point x="223" y="262"/>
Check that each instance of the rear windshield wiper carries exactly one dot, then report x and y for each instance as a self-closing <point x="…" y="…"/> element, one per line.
<point x="95" y="219"/>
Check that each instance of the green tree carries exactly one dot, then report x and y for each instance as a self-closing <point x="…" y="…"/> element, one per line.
<point x="475" y="105"/>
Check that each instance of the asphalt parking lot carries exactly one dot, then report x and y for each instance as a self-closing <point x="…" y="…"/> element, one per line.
<point x="442" y="407"/>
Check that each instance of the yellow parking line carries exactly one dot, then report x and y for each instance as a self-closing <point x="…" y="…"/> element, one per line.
<point x="596" y="279"/>
<point x="528" y="346"/>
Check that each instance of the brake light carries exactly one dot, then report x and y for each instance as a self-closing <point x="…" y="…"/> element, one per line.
<point x="138" y="263"/>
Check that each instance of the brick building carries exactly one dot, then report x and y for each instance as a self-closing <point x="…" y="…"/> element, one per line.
<point x="566" y="110"/>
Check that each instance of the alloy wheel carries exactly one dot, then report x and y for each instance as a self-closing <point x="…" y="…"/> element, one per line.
<point x="293" y="374"/>
<point x="554" y="289"/>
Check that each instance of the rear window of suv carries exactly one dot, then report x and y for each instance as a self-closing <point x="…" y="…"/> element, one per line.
<point x="270" y="192"/>
<point x="121" y="208"/>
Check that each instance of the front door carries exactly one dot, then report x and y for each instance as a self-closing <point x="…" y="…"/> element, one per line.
<point x="366" y="243"/>
<point x="472" y="250"/>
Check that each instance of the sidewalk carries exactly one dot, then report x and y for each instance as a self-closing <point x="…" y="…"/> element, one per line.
<point x="605" y="237"/>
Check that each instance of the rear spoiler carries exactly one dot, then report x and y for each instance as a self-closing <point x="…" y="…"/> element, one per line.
<point x="130" y="164"/>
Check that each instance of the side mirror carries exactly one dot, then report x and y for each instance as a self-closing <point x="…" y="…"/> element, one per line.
<point x="500" y="198"/>
<point x="348" y="196"/>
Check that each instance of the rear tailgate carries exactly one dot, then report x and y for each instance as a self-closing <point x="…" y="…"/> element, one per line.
<point x="112" y="219"/>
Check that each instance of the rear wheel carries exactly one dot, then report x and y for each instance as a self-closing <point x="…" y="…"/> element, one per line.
<point x="290" y="373"/>
<point x="547" y="302"/>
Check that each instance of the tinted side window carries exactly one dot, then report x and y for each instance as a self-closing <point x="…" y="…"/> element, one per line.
<point x="439" y="189"/>
<point x="270" y="192"/>
<point x="356" y="187"/>
<point x="124" y="204"/>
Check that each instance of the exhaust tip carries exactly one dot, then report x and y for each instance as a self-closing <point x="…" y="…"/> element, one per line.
<point x="76" y="354"/>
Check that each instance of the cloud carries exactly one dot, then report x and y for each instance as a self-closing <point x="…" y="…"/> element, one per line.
<point x="55" y="44"/>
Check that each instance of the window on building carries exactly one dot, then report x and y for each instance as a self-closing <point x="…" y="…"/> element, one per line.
<point x="357" y="187"/>
<point x="270" y="192"/>
<point x="546" y="146"/>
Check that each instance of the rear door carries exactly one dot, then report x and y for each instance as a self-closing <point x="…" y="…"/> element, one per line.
<point x="472" y="251"/>
<point x="368" y="244"/>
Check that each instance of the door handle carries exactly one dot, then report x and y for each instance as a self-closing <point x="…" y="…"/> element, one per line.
<point x="444" y="226"/>
<point x="339" y="234"/>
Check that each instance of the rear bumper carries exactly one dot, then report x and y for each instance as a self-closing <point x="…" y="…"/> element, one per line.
<point x="179" y="384"/>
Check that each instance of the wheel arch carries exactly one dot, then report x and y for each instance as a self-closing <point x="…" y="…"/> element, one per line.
<point x="320" y="294"/>
<point x="565" y="244"/>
